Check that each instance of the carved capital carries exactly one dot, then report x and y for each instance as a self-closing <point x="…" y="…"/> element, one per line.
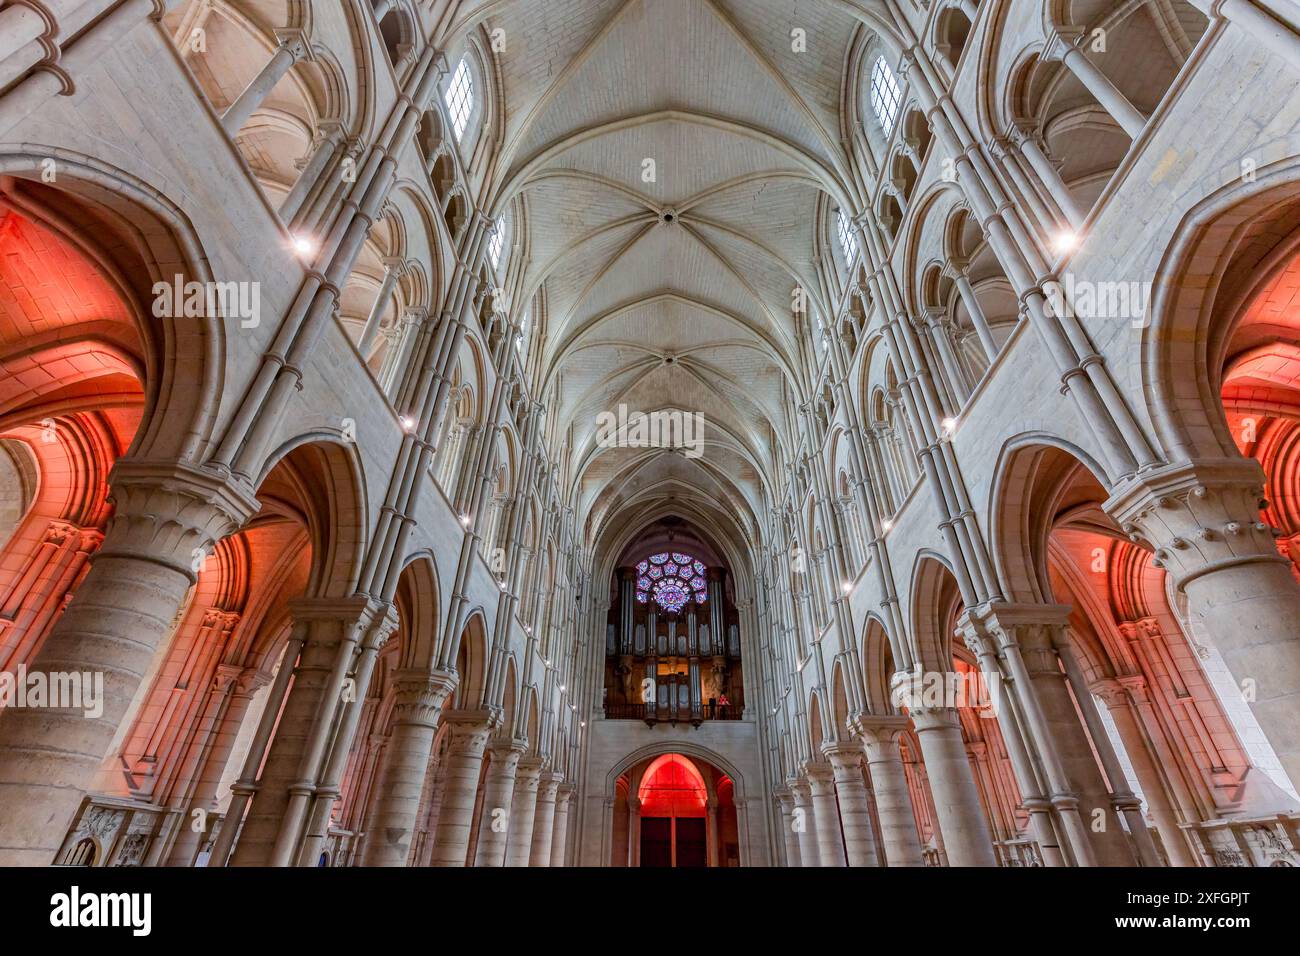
<point x="1198" y="517"/>
<point x="172" y="514"/>
<point x="419" y="696"/>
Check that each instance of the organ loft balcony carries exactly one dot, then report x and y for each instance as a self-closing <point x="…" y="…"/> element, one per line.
<point x="672" y="642"/>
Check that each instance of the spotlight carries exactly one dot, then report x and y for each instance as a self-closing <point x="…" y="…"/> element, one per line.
<point x="561" y="688"/>
<point x="848" y="586"/>
<point x="948" y="425"/>
<point x="1065" y="241"/>
<point x="464" y="520"/>
<point x="304" y="246"/>
<point x="408" y="423"/>
<point x="886" y="525"/>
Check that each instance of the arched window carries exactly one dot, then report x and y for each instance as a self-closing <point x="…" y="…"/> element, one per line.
<point x="886" y="95"/>
<point x="672" y="579"/>
<point x="459" y="97"/>
<point x="495" y="243"/>
<point x="847" y="242"/>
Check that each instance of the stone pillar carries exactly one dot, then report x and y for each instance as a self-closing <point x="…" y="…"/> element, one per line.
<point x="544" y="819"/>
<point x="331" y="629"/>
<point x="1061" y="46"/>
<point x="805" y="825"/>
<point x="1079" y="794"/>
<point x="393" y="268"/>
<point x="786" y="800"/>
<point x="855" y="803"/>
<point x="329" y="137"/>
<point x="937" y="324"/>
<point x="519" y="842"/>
<point x="1204" y="522"/>
<point x="826" y="814"/>
<point x="560" y="840"/>
<point x="498" y="795"/>
<point x="1031" y="147"/>
<point x="902" y="844"/>
<point x="205" y="796"/>
<point x="46" y="567"/>
<point x="711" y="833"/>
<point x="960" y="817"/>
<point x="163" y="524"/>
<point x="414" y="721"/>
<point x="294" y="46"/>
<point x="462" y="768"/>
<point x="1114" y="695"/>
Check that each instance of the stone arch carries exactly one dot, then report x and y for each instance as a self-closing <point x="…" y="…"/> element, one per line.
<point x="419" y="610"/>
<point x="1036" y="478"/>
<point x="1228" y="251"/>
<point x="936" y="601"/>
<point x="319" y="479"/>
<point x="471" y="656"/>
<point x="138" y="240"/>
<point x="878" y="666"/>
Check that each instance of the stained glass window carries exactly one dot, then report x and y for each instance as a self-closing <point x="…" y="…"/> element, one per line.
<point x="672" y="579"/>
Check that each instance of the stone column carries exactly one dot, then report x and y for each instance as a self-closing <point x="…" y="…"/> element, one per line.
<point x="786" y="800"/>
<point x="937" y="323"/>
<point x="1204" y="521"/>
<point x="902" y="844"/>
<point x="462" y="767"/>
<point x="329" y="137"/>
<point x="560" y="840"/>
<point x="205" y="796"/>
<point x="1062" y="46"/>
<point x="544" y="819"/>
<point x="826" y="814"/>
<point x="294" y="47"/>
<point x="855" y="803"/>
<point x="393" y="268"/>
<point x="1079" y="794"/>
<point x="519" y="842"/>
<point x="711" y="833"/>
<point x="498" y="795"/>
<point x="1117" y="701"/>
<point x="1032" y="148"/>
<point x="163" y="524"/>
<point x="804" y="824"/>
<point x="960" y="817"/>
<point x="332" y="630"/>
<point x="414" y="721"/>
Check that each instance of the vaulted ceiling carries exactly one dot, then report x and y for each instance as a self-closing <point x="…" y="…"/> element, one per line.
<point x="668" y="161"/>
